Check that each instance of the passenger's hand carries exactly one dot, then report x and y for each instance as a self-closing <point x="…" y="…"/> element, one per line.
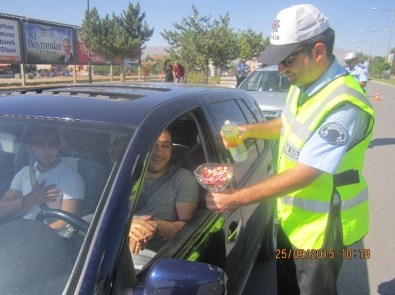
<point x="141" y="231"/>
<point x="227" y="200"/>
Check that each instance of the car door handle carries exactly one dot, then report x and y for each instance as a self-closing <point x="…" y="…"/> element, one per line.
<point x="234" y="231"/>
<point x="270" y="170"/>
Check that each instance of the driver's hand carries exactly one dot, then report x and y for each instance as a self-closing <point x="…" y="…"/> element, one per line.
<point x="42" y="193"/>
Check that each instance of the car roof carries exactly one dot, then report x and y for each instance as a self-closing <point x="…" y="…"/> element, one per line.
<point x="130" y="102"/>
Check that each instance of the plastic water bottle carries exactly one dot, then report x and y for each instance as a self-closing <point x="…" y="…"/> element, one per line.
<point x="235" y="145"/>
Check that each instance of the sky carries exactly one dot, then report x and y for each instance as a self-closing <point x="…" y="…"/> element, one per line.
<point x="358" y="27"/>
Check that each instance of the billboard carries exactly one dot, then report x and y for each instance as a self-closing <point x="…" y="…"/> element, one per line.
<point x="10" y="49"/>
<point x="48" y="44"/>
<point x="82" y="53"/>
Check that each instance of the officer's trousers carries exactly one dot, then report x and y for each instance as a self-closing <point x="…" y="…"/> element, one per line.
<point x="314" y="272"/>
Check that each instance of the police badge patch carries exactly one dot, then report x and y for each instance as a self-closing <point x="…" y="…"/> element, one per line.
<point x="333" y="133"/>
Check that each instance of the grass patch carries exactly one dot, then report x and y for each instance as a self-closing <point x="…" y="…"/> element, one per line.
<point x="389" y="82"/>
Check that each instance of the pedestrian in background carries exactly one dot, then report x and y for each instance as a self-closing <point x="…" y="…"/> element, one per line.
<point x="178" y="72"/>
<point x="242" y="71"/>
<point x="167" y="71"/>
<point x="324" y="131"/>
<point x="356" y="69"/>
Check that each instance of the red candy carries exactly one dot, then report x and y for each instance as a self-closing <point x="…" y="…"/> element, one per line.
<point x="216" y="178"/>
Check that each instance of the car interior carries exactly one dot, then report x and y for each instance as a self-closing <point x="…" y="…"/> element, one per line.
<point x="91" y="153"/>
<point x="273" y="82"/>
<point x="188" y="152"/>
<point x="83" y="150"/>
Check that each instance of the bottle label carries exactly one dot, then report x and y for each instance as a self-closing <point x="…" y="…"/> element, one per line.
<point x="232" y="140"/>
<point x="236" y="146"/>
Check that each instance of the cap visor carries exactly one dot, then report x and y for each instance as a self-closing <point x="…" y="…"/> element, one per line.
<point x="274" y="54"/>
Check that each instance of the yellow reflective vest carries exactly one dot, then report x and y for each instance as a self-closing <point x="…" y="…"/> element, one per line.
<point x="303" y="214"/>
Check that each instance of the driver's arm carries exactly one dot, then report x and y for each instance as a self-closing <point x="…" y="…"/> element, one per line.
<point x="71" y="206"/>
<point x="11" y="204"/>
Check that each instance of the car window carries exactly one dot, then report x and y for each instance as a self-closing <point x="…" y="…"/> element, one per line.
<point x="68" y="162"/>
<point x="269" y="80"/>
<point x="252" y="82"/>
<point x="251" y="119"/>
<point x="237" y="112"/>
<point x="178" y="184"/>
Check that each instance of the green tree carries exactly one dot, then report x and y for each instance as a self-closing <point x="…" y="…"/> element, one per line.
<point x="197" y="41"/>
<point x="377" y="65"/>
<point x="225" y="47"/>
<point x="251" y="44"/>
<point x="116" y="37"/>
<point x="362" y="57"/>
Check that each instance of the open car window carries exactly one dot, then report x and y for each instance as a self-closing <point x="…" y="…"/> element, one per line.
<point x="158" y="197"/>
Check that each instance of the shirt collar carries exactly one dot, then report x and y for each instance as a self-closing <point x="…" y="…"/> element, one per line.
<point x="335" y="70"/>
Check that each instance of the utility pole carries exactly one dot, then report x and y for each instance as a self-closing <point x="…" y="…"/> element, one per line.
<point x="372" y="39"/>
<point x="392" y="24"/>
<point x="89" y="59"/>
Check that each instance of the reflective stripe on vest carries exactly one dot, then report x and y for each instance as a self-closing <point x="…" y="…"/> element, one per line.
<point x="301" y="130"/>
<point x="323" y="207"/>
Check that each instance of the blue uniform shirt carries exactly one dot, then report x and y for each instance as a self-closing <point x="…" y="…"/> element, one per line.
<point x="242" y="70"/>
<point x="321" y="151"/>
<point x="359" y="72"/>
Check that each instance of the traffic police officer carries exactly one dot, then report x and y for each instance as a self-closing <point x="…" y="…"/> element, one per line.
<point x="358" y="70"/>
<point x="324" y="131"/>
<point x="242" y="71"/>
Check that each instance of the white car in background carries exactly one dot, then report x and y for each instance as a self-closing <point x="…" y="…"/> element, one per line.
<point x="269" y="89"/>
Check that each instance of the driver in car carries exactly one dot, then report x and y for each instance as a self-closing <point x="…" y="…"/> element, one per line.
<point x="46" y="183"/>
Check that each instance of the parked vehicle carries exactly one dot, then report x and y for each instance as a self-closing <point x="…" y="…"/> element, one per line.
<point x="107" y="132"/>
<point x="269" y="89"/>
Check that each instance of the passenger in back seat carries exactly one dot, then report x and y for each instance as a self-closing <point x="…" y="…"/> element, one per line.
<point x="47" y="183"/>
<point x="162" y="209"/>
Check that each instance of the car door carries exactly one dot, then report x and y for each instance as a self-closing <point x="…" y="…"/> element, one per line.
<point x="228" y="240"/>
<point x="218" y="239"/>
<point x="246" y="225"/>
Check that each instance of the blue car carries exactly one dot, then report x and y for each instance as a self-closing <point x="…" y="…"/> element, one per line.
<point x="107" y="133"/>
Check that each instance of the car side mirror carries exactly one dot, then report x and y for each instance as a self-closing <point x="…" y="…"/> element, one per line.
<point x="177" y="276"/>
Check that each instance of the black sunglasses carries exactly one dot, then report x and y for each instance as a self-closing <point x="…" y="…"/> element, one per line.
<point x="291" y="58"/>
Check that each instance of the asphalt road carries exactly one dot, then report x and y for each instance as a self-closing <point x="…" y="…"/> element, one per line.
<point x="375" y="275"/>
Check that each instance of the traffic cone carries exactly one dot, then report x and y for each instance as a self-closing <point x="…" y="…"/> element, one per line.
<point x="377" y="96"/>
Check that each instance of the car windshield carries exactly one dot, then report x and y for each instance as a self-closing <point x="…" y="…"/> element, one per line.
<point x="266" y="80"/>
<point x="68" y="165"/>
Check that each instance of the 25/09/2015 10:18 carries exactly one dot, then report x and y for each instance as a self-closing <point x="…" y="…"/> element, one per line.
<point x="321" y="253"/>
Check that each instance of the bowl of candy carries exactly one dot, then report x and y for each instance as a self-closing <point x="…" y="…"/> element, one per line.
<point x="214" y="177"/>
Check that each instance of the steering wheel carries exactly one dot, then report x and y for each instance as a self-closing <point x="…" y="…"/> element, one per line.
<point x="67" y="217"/>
